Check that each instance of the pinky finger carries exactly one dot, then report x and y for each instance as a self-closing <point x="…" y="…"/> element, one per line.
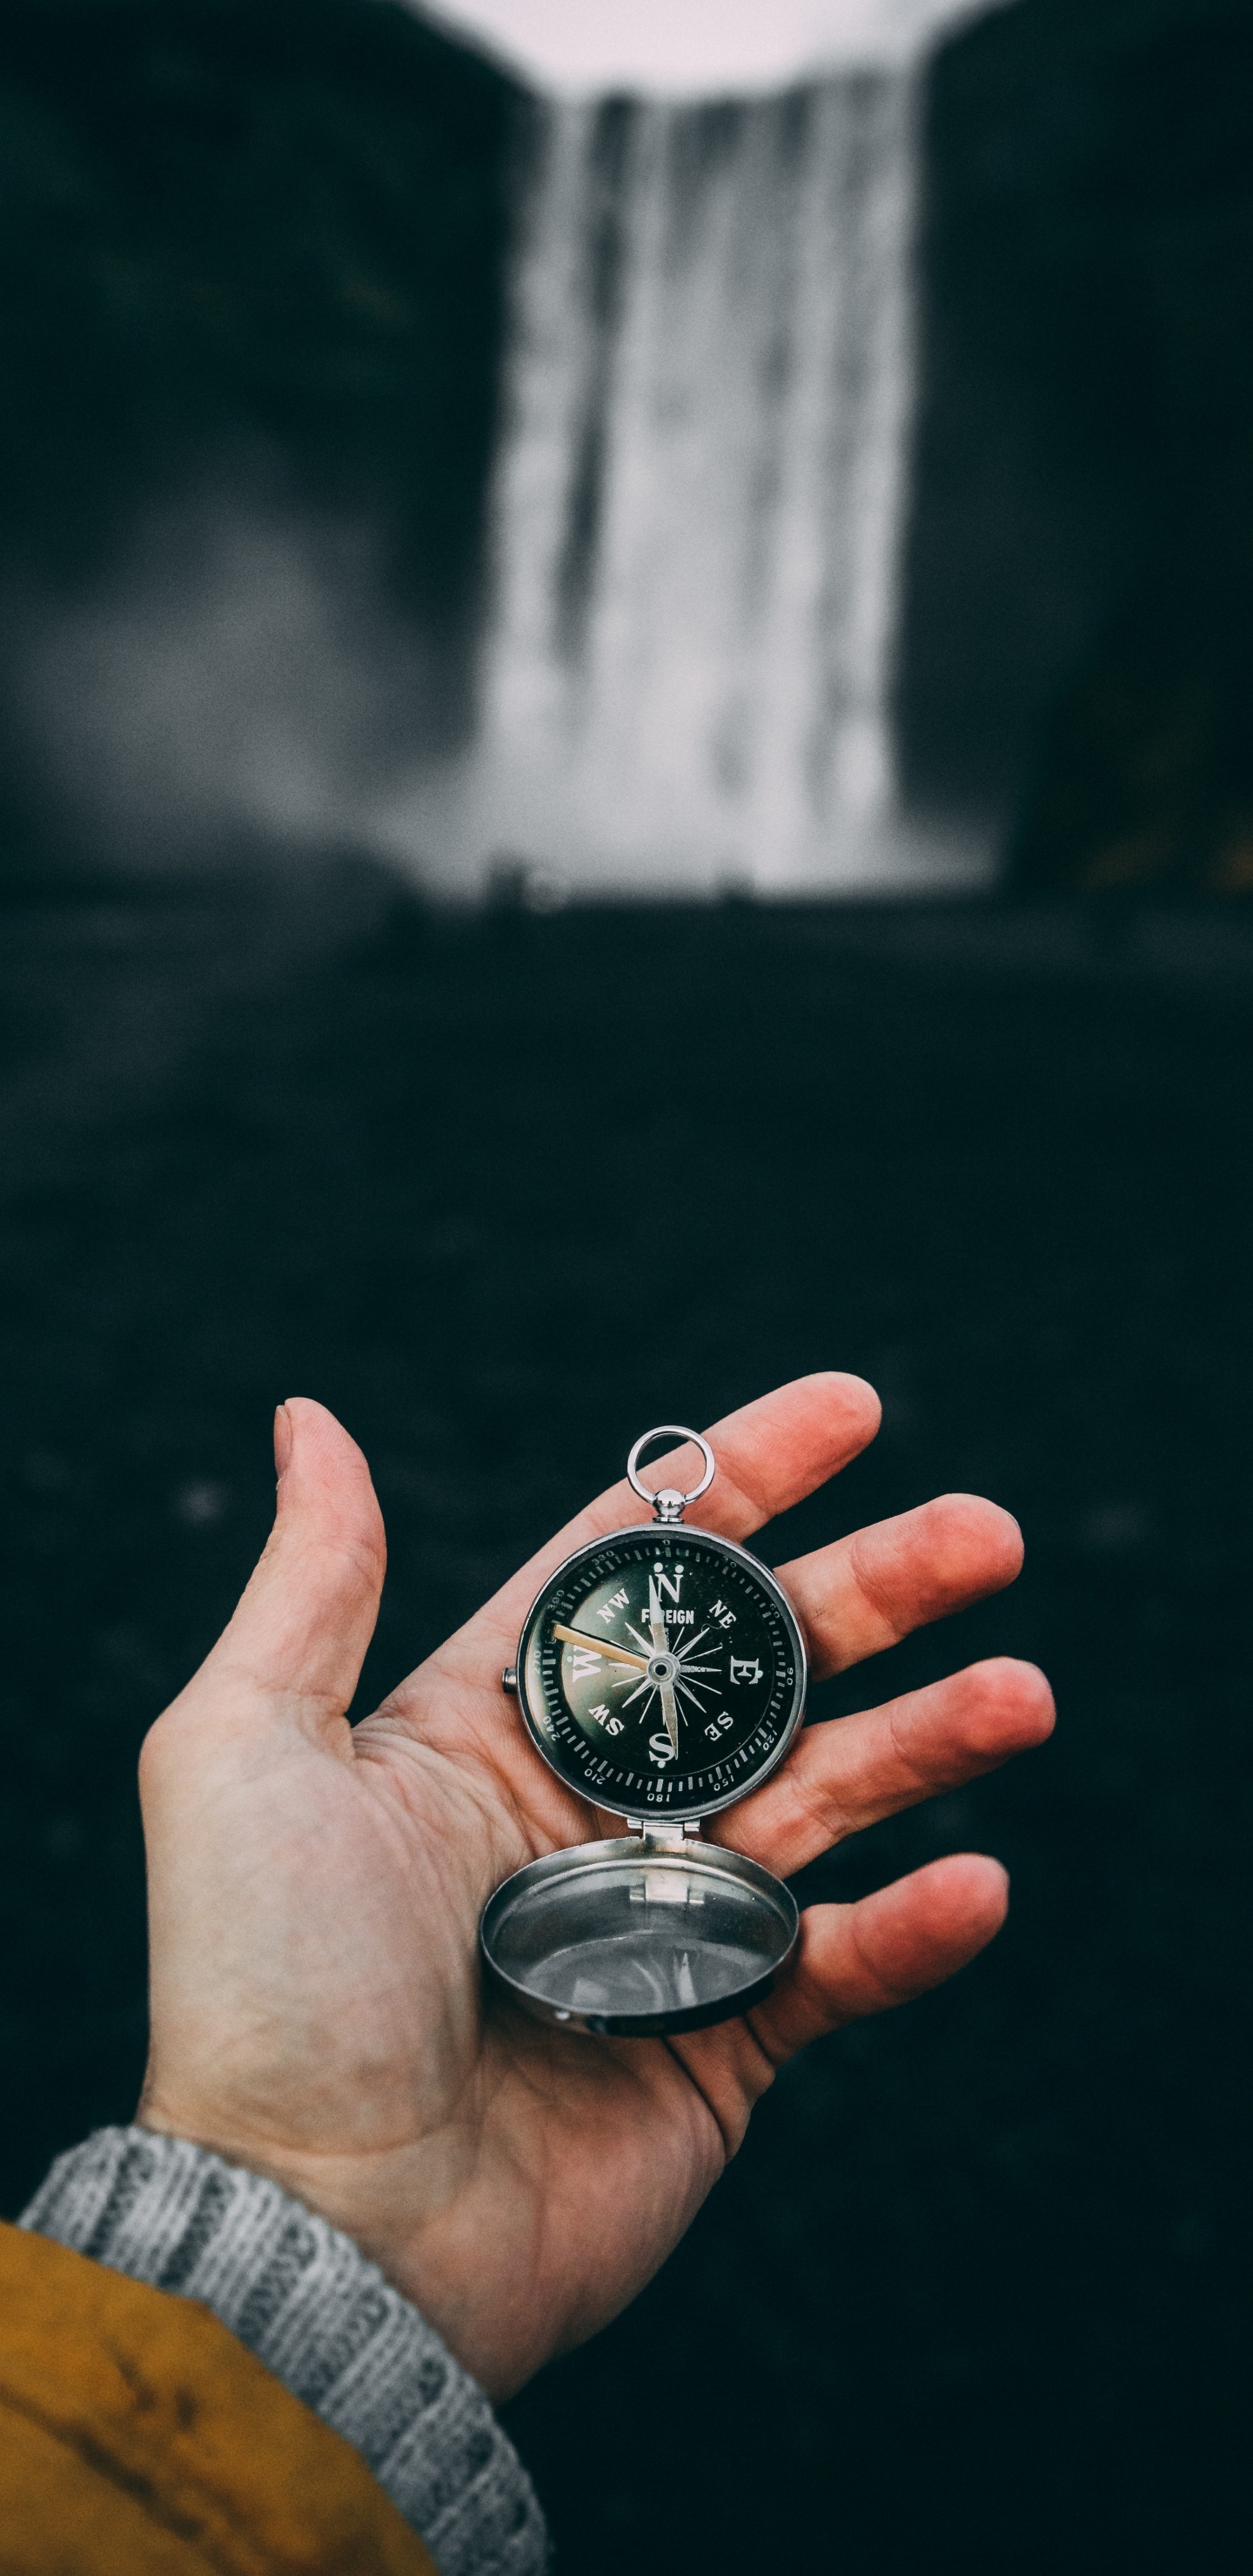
<point x="860" y="1959"/>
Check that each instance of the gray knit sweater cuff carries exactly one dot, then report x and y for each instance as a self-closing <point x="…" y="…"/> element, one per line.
<point x="320" y="2317"/>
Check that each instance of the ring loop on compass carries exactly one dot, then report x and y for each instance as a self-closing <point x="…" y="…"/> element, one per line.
<point x="667" y="1503"/>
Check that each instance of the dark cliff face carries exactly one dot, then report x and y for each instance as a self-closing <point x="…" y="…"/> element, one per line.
<point x="270" y="227"/>
<point x="1087" y="418"/>
<point x="251" y="266"/>
<point x="1144" y="777"/>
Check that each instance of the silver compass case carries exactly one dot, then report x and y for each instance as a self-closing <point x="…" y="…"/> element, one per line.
<point x="655" y="1931"/>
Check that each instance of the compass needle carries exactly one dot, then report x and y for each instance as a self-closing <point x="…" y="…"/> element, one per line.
<point x="656" y="1622"/>
<point x="670" y="1712"/>
<point x="598" y="1646"/>
<point x="664" y="1665"/>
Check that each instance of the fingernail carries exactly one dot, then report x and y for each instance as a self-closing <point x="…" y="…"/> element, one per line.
<point x="282" y="1440"/>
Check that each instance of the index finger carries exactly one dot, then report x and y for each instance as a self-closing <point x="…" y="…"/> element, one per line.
<point x="769" y="1454"/>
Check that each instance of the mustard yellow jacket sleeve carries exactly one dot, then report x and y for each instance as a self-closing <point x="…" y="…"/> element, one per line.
<point x="139" y="2438"/>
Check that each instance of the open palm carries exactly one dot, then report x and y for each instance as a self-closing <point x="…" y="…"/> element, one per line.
<point x="315" y="1889"/>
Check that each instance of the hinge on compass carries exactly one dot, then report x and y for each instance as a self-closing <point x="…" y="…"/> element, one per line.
<point x="661" y="1834"/>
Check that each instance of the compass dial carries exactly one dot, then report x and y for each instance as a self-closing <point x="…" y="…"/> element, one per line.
<point x="662" y="1670"/>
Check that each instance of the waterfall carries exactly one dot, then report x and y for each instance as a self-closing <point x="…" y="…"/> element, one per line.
<point x="698" y="505"/>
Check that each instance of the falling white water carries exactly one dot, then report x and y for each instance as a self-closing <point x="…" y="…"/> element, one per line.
<point x="697" y="514"/>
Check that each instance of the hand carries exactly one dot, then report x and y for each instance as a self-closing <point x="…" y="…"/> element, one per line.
<point x="315" y="1889"/>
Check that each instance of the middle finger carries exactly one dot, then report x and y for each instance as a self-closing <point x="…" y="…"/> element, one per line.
<point x="869" y="1590"/>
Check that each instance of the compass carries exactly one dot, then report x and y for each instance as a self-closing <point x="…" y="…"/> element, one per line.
<point x="661" y="1674"/>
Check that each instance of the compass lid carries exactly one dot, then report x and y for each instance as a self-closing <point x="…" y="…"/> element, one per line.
<point x="639" y="1936"/>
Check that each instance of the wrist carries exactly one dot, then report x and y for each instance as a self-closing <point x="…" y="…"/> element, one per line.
<point x="385" y="2200"/>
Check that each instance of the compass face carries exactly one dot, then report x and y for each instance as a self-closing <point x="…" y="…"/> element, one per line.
<point x="661" y="1671"/>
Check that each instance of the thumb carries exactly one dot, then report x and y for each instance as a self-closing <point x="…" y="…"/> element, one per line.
<point x="294" y="1649"/>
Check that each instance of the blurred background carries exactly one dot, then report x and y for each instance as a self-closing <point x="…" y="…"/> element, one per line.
<point x="679" y="578"/>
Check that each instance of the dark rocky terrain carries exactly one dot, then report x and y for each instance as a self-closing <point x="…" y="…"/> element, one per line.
<point x="971" y="2296"/>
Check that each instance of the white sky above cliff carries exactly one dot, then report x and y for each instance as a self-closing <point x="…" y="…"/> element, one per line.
<point x="689" y="47"/>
